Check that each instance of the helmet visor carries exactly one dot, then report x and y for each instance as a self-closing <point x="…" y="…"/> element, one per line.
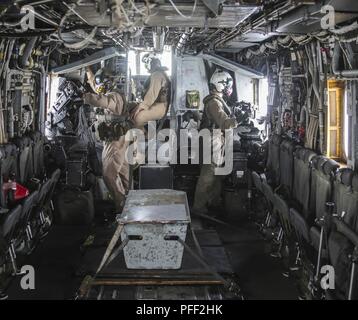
<point x="228" y="90"/>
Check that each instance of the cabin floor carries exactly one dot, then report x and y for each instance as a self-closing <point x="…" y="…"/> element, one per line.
<point x="59" y="260"/>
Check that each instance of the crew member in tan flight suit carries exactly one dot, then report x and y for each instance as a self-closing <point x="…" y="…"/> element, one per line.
<point x="153" y="107"/>
<point x="115" y="168"/>
<point x="156" y="93"/>
<point x="216" y="115"/>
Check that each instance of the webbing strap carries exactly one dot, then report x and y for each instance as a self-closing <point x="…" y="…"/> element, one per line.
<point x="110" y="248"/>
<point x="231" y="286"/>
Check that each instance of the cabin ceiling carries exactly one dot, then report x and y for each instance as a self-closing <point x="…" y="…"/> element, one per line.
<point x="189" y="26"/>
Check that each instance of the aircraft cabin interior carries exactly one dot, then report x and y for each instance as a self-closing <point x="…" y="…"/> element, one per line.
<point x="179" y="150"/>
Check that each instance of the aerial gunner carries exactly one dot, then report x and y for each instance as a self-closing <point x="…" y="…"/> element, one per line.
<point x="216" y="115"/>
<point x="155" y="104"/>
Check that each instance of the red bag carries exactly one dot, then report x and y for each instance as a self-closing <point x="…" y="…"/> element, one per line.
<point x="19" y="192"/>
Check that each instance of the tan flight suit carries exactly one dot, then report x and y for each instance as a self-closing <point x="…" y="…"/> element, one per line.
<point x="154" y="107"/>
<point x="115" y="167"/>
<point x="90" y="79"/>
<point x="155" y="103"/>
<point x="208" y="187"/>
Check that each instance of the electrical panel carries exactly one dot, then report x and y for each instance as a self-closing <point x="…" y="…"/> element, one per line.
<point x="20" y="101"/>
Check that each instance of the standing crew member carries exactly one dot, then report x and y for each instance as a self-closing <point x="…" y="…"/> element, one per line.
<point x="216" y="115"/>
<point x="115" y="166"/>
<point x="153" y="107"/>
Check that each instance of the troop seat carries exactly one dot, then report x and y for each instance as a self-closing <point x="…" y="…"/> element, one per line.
<point x="43" y="193"/>
<point x="323" y="173"/>
<point x="26" y="232"/>
<point x="282" y="197"/>
<point x="47" y="200"/>
<point x="8" y="161"/>
<point x="302" y="189"/>
<point x="282" y="208"/>
<point x="8" y="227"/>
<point x="273" y="161"/>
<point x="287" y="148"/>
<point x="257" y="181"/>
<point x="270" y="179"/>
<point x="55" y="176"/>
<point x="25" y="159"/>
<point x="8" y="169"/>
<point x="343" y="238"/>
<point x="38" y="155"/>
<point x="39" y="210"/>
<point x="24" y="222"/>
<point x="317" y="206"/>
<point x="268" y="193"/>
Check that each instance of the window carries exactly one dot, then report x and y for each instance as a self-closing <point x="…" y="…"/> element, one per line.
<point x="263" y="95"/>
<point x="137" y="67"/>
<point x="346" y="128"/>
<point x="52" y="85"/>
<point x="336" y="119"/>
<point x="260" y="95"/>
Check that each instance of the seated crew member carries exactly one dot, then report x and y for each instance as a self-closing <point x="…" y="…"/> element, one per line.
<point x="156" y="93"/>
<point x="216" y="115"/>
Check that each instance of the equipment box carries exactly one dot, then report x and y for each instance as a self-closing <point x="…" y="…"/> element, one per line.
<point x="152" y="220"/>
<point x="240" y="172"/>
<point x="155" y="177"/>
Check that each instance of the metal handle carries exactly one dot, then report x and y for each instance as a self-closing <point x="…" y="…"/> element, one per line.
<point x="171" y="238"/>
<point x="135" y="237"/>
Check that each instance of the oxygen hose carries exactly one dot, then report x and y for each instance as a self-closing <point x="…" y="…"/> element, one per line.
<point x="27" y="52"/>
